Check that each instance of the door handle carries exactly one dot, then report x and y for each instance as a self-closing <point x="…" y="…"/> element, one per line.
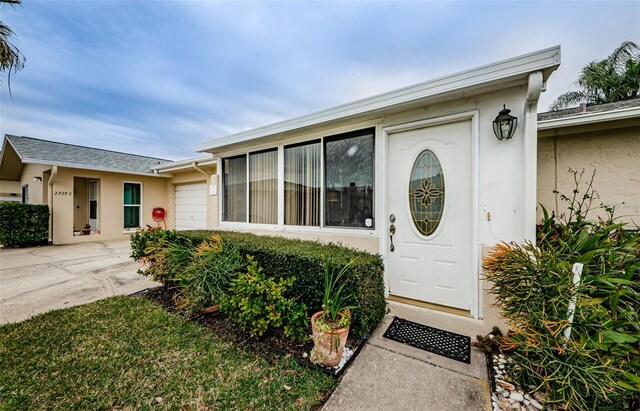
<point x="392" y="231"/>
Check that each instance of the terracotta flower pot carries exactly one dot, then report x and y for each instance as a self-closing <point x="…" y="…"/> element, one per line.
<point x="328" y="345"/>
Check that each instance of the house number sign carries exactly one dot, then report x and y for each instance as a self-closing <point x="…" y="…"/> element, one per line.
<point x="62" y="193"/>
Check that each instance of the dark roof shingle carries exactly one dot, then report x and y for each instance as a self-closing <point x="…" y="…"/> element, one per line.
<point x="29" y="148"/>
<point x="598" y="108"/>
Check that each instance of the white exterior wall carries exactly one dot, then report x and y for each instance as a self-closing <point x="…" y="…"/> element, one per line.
<point x="500" y="174"/>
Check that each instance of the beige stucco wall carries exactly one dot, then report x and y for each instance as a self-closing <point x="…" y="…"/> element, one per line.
<point x="110" y="208"/>
<point x="615" y="156"/>
<point x="29" y="172"/>
<point x="9" y="190"/>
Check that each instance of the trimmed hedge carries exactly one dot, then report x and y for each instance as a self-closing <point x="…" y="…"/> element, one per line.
<point x="306" y="261"/>
<point x="23" y="225"/>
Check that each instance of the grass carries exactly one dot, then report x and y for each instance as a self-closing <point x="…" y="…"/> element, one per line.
<point x="126" y="353"/>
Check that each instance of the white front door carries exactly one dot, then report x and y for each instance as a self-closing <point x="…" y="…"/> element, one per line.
<point x="430" y="208"/>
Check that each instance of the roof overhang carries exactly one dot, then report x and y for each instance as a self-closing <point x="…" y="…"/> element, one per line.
<point x="590" y="118"/>
<point x="500" y="75"/>
<point x="186" y="164"/>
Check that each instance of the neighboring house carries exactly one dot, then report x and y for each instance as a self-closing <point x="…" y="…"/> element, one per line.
<point x="415" y="174"/>
<point x="114" y="193"/>
<point x="604" y="138"/>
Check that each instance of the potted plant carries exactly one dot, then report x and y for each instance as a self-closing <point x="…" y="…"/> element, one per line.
<point x="330" y="326"/>
<point x="86" y="230"/>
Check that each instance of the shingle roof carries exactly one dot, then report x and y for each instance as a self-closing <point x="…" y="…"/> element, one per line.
<point x="599" y="108"/>
<point x="45" y="151"/>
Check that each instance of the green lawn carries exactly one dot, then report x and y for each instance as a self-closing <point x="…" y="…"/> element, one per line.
<point x="125" y="353"/>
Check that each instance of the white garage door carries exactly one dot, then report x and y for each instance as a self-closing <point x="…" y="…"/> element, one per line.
<point x="191" y="206"/>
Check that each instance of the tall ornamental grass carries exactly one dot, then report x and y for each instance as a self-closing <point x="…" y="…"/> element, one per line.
<point x="597" y="367"/>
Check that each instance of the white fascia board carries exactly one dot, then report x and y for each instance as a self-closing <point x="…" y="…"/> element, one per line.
<point x="185" y="164"/>
<point x="546" y="60"/>
<point x="590" y="118"/>
<point x="85" y="167"/>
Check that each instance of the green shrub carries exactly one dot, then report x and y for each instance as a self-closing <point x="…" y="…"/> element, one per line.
<point x="23" y="225"/>
<point x="307" y="261"/>
<point x="208" y="275"/>
<point x="258" y="303"/>
<point x="598" y="367"/>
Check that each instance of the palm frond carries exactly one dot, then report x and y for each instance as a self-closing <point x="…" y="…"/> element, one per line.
<point x="568" y="99"/>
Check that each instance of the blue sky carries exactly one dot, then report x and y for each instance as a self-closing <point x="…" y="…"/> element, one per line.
<point x="158" y="77"/>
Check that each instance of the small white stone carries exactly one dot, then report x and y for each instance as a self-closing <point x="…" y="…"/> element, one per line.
<point x="516" y="396"/>
<point x="527" y="397"/>
<point x="505" y="394"/>
<point x="305" y="355"/>
<point x="536" y="404"/>
<point x="526" y="402"/>
<point x="501" y="366"/>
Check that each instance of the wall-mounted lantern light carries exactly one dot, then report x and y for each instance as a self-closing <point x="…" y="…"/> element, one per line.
<point x="504" y="126"/>
<point x="37" y="179"/>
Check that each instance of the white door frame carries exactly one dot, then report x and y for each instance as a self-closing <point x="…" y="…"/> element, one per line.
<point x="383" y="223"/>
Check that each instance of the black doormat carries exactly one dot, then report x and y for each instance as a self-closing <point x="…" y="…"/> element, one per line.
<point x="441" y="342"/>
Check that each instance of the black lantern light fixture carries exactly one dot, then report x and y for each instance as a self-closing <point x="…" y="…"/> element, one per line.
<point x="504" y="126"/>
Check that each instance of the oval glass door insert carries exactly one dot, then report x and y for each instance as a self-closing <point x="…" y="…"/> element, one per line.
<point x="426" y="192"/>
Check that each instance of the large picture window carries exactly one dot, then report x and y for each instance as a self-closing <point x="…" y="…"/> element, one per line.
<point x="302" y="184"/>
<point x="349" y="165"/>
<point x="132" y="202"/>
<point x="251" y="183"/>
<point x="263" y="187"/>
<point x="234" y="181"/>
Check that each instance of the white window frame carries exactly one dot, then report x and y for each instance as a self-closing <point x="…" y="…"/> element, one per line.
<point x="140" y="206"/>
<point x="280" y="226"/>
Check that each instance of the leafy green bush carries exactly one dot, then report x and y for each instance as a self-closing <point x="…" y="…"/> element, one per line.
<point x="23" y="225"/>
<point x="258" y="303"/>
<point x="307" y="261"/>
<point x="598" y="366"/>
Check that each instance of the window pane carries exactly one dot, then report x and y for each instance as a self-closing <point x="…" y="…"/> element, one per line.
<point x="349" y="180"/>
<point x="132" y="193"/>
<point x="302" y="184"/>
<point x="263" y="187"/>
<point x="131" y="216"/>
<point x="234" y="181"/>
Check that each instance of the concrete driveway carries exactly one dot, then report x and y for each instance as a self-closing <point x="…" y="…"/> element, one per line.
<point x="36" y="280"/>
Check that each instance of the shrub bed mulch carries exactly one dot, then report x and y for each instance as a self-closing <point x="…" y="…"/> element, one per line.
<point x="273" y="343"/>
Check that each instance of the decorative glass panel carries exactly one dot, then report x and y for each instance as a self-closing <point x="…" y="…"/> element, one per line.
<point x="426" y="193"/>
<point x="263" y="187"/>
<point x="234" y="181"/>
<point x="302" y="184"/>
<point x="349" y="165"/>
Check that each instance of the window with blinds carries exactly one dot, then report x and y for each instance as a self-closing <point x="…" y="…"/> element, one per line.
<point x="234" y="181"/>
<point x="263" y="187"/>
<point x="302" y="184"/>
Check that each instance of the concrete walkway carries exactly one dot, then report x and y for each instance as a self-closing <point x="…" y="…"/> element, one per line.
<point x="388" y="375"/>
<point x="38" y="279"/>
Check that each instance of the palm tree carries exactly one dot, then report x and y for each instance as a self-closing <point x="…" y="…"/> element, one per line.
<point x="615" y="78"/>
<point x="10" y="57"/>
